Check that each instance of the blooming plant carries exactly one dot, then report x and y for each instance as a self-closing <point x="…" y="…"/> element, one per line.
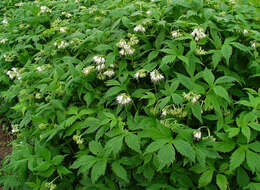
<point x="130" y="95"/>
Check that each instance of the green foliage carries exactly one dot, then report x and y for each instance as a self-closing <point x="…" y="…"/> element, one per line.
<point x="129" y="95"/>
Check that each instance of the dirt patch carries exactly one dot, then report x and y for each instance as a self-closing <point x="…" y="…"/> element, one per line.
<point x="5" y="148"/>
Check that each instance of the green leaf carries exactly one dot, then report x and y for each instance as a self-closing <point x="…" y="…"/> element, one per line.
<point x="237" y="158"/>
<point x="166" y="155"/>
<point x="58" y="159"/>
<point x="216" y="58"/>
<point x="220" y="91"/>
<point x="112" y="91"/>
<point x="206" y="178"/>
<point x="152" y="55"/>
<point x="196" y="111"/>
<point x="154" y="146"/>
<point x="98" y="170"/>
<point x="253" y="160"/>
<point x="184" y="148"/>
<point x="95" y="147"/>
<point x="224" y="146"/>
<point x="119" y="170"/>
<point x="255" y="146"/>
<point x="114" y="145"/>
<point x="222" y="181"/>
<point x="247" y="132"/>
<point x="133" y="142"/>
<point x="240" y="46"/>
<point x="167" y="59"/>
<point x="226" y="51"/>
<point x="159" y="40"/>
<point x="255" y="126"/>
<point x="242" y="177"/>
<point x="208" y="77"/>
<point x="225" y="79"/>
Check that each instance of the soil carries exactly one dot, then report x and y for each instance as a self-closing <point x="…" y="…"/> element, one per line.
<point x="5" y="148"/>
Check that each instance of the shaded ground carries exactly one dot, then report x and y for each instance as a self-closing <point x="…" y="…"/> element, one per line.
<point x="4" y="148"/>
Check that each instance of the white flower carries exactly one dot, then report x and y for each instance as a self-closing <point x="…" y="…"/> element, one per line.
<point x="197" y="135"/>
<point x="164" y="112"/>
<point x="198" y="33"/>
<point x="140" y="74"/>
<point x="121" y="43"/>
<point x="253" y="45"/>
<point x="4" y="21"/>
<point x="139" y="28"/>
<point x="62" y="29"/>
<point x="15" y="128"/>
<point x="109" y="73"/>
<point x="44" y="9"/>
<point x="99" y="59"/>
<point x="148" y="12"/>
<point x="100" y="67"/>
<point x="3" y="41"/>
<point x="123" y="99"/>
<point x="156" y="76"/>
<point x="63" y="45"/>
<point x="245" y="31"/>
<point x="39" y="69"/>
<point x="88" y="70"/>
<point x="175" y="34"/>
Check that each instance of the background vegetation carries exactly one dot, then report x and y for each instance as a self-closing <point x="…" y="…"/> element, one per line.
<point x="127" y="94"/>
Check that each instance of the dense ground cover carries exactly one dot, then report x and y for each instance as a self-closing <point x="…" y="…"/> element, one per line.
<point x="122" y="94"/>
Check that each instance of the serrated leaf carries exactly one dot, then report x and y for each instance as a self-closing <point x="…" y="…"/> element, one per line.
<point x="152" y="55"/>
<point x="232" y="132"/>
<point x="220" y="91"/>
<point x="119" y="170"/>
<point x="226" y="51"/>
<point x="114" y="145"/>
<point x="224" y="146"/>
<point x="225" y="79"/>
<point x="98" y="170"/>
<point x="253" y="161"/>
<point x="206" y="178"/>
<point x="166" y="155"/>
<point x="95" y="147"/>
<point x="112" y="91"/>
<point x="154" y="146"/>
<point x="57" y="159"/>
<point x="255" y="146"/>
<point x="242" y="177"/>
<point x="237" y="158"/>
<point x="222" y="181"/>
<point x="196" y="111"/>
<point x="208" y="76"/>
<point x="255" y="126"/>
<point x="246" y="132"/>
<point x="159" y="39"/>
<point x="185" y="149"/>
<point x="133" y="142"/>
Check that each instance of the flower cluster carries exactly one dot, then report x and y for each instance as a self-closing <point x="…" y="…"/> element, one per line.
<point x="110" y="73"/>
<point x="13" y="73"/>
<point x="126" y="48"/>
<point x="139" y="28"/>
<point x="123" y="99"/>
<point x="200" y="51"/>
<point x="15" y="128"/>
<point x="66" y="14"/>
<point x="198" y="34"/>
<point x="44" y="9"/>
<point x="63" y="29"/>
<point x="156" y="76"/>
<point x="140" y="74"/>
<point x="4" y="21"/>
<point x="61" y="45"/>
<point x="3" y="40"/>
<point x="100" y="61"/>
<point x="174" y="111"/>
<point x="197" y="135"/>
<point x="191" y="97"/>
<point x="88" y="70"/>
<point x="50" y="186"/>
<point x="176" y="34"/>
<point x="78" y="139"/>
<point x="39" y="68"/>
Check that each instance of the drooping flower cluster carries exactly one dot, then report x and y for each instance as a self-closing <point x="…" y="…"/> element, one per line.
<point x="50" y="186"/>
<point x="4" y="21"/>
<point x="174" y="111"/>
<point x="198" y="34"/>
<point x="100" y="61"/>
<point x="3" y="40"/>
<point x="140" y="74"/>
<point x="176" y="34"/>
<point x="13" y="73"/>
<point x="110" y="73"/>
<point x="44" y="9"/>
<point x="197" y="135"/>
<point x="66" y="14"/>
<point x="191" y="97"/>
<point x="156" y="76"/>
<point x="61" y="45"/>
<point x="15" y="128"/>
<point x="63" y="29"/>
<point x="200" y="51"/>
<point x="88" y="70"/>
<point x="39" y="68"/>
<point x="123" y="99"/>
<point x="139" y="28"/>
<point x="9" y="57"/>
<point x="126" y="48"/>
<point x="245" y="32"/>
<point x="78" y="139"/>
